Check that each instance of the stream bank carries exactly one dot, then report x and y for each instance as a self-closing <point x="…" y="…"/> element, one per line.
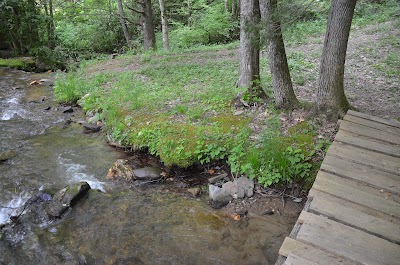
<point x="116" y="223"/>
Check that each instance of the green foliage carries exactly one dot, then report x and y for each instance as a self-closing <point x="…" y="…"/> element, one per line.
<point x="212" y="27"/>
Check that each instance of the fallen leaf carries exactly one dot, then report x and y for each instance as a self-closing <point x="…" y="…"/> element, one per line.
<point x="236" y="217"/>
<point x="211" y="171"/>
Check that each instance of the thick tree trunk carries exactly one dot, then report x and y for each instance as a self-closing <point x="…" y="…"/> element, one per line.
<point x="330" y="91"/>
<point x="123" y="23"/>
<point x="164" y="26"/>
<point x="281" y="81"/>
<point x="149" y="36"/>
<point x="249" y="51"/>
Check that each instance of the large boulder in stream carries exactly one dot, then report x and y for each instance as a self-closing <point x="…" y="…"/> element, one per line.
<point x="66" y="198"/>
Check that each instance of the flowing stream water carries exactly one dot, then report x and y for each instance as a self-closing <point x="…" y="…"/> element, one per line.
<point x="122" y="226"/>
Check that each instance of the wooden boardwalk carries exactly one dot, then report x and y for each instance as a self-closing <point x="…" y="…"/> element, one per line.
<point x="352" y="215"/>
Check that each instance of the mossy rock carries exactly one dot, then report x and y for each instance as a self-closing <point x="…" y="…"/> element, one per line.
<point x="21" y="63"/>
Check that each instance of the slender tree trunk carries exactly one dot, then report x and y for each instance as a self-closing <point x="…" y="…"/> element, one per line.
<point x="52" y="35"/>
<point x="189" y="13"/>
<point x="235" y="8"/>
<point x="149" y="36"/>
<point x="249" y="51"/>
<point x="123" y="23"/>
<point x="330" y="91"/>
<point x="164" y="25"/>
<point x="227" y="10"/>
<point x="281" y="81"/>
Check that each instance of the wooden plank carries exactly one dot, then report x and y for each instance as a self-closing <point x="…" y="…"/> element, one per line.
<point x="296" y="260"/>
<point x="367" y="143"/>
<point x="358" y="155"/>
<point x="373" y="118"/>
<point x="296" y="248"/>
<point x="370" y="132"/>
<point x="362" y="173"/>
<point x="372" y="124"/>
<point x="326" y="182"/>
<point x="348" y="216"/>
<point x="352" y="205"/>
<point x="346" y="241"/>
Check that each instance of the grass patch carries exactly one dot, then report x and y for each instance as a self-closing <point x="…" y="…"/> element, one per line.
<point x="22" y="63"/>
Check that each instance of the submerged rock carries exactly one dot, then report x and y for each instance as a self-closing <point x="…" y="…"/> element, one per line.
<point x="5" y="155"/>
<point x="147" y="173"/>
<point x="66" y="198"/>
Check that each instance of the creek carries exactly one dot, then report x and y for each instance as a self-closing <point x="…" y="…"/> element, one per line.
<point x="131" y="225"/>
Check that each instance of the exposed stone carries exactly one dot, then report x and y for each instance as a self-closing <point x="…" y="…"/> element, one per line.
<point x="147" y="173"/>
<point x="67" y="109"/>
<point x="121" y="170"/>
<point x="234" y="190"/>
<point x="219" y="197"/>
<point x="194" y="191"/>
<point x="91" y="128"/>
<point x="66" y="198"/>
<point x="247" y="185"/>
<point x="5" y="155"/>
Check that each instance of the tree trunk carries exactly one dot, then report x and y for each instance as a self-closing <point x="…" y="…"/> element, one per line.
<point x="123" y="23"/>
<point x="164" y="25"/>
<point x="235" y="8"/>
<point x="227" y="10"/>
<point x="189" y="13"/>
<point x="330" y="91"/>
<point x="281" y="81"/>
<point x="149" y="36"/>
<point x="249" y="51"/>
<point x="52" y="35"/>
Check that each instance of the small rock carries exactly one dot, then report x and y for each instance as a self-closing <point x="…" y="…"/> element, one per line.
<point x="234" y="190"/>
<point x="238" y="112"/>
<point x="219" y="197"/>
<point x="7" y="155"/>
<point x="247" y="185"/>
<point x="17" y="87"/>
<point x="194" y="191"/>
<point x="34" y="83"/>
<point x="67" y="109"/>
<point x="48" y="108"/>
<point x="241" y="212"/>
<point x="66" y="198"/>
<point x="269" y="211"/>
<point x="44" y="80"/>
<point x="91" y="128"/>
<point x="147" y="173"/>
<point x="121" y="170"/>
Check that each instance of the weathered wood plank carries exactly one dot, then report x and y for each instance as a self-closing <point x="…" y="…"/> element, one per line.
<point x="370" y="132"/>
<point x="358" y="155"/>
<point x="362" y="173"/>
<point x="372" y="124"/>
<point x="297" y="260"/>
<point x="352" y="205"/>
<point x="296" y="248"/>
<point x="373" y="118"/>
<point x="326" y="182"/>
<point x="368" y="143"/>
<point x="348" y="216"/>
<point x="343" y="240"/>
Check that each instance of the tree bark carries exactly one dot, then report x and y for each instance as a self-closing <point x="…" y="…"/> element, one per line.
<point x="281" y="81"/>
<point x="52" y="35"/>
<point x="149" y="36"/>
<point x="164" y="26"/>
<point x="249" y="51"/>
<point x="123" y="23"/>
<point x="330" y="91"/>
